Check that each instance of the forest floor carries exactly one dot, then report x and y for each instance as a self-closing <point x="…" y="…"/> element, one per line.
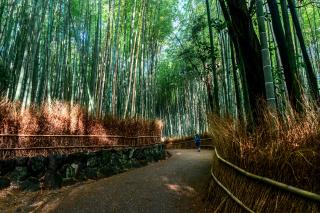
<point x="178" y="184"/>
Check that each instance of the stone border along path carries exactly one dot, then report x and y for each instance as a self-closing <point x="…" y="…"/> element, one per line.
<point x="54" y="171"/>
<point x="176" y="185"/>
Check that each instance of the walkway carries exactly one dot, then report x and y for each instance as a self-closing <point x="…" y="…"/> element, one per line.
<point x="175" y="185"/>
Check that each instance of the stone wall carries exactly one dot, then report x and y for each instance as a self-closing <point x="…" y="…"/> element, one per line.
<point x="58" y="170"/>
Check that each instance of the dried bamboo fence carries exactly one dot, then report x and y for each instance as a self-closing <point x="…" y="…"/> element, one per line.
<point x="18" y="145"/>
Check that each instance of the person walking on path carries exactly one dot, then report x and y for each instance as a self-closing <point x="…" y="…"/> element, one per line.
<point x="197" y="141"/>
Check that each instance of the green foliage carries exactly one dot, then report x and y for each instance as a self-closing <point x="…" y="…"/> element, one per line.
<point x="168" y="80"/>
<point x="219" y="25"/>
<point x="75" y="9"/>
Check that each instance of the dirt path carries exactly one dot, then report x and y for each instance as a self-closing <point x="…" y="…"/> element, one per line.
<point x="171" y="186"/>
<point x="174" y="185"/>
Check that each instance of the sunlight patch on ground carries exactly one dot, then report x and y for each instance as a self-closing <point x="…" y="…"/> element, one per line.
<point x="173" y="187"/>
<point x="51" y="206"/>
<point x="181" y="190"/>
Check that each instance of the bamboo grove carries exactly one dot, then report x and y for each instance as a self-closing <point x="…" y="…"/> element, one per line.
<point x="177" y="60"/>
<point x="238" y="55"/>
<point x="101" y="54"/>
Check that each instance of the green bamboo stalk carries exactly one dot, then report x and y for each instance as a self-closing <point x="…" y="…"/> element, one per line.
<point x="268" y="78"/>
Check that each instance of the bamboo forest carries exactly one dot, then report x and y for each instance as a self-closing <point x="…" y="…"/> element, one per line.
<point x="218" y="102"/>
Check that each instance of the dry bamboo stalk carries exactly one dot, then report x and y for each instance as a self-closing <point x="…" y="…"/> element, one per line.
<point x="292" y="189"/>
<point x="230" y="193"/>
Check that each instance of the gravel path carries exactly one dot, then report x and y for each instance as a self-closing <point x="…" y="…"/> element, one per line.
<point x="174" y="185"/>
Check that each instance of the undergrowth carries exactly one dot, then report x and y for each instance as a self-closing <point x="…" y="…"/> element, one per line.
<point x="286" y="149"/>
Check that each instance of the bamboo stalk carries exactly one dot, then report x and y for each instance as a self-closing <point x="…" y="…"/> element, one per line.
<point x="292" y="189"/>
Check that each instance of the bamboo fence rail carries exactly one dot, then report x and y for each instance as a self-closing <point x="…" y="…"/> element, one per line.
<point x="14" y="150"/>
<point x="77" y="147"/>
<point x="269" y="181"/>
<point x="233" y="197"/>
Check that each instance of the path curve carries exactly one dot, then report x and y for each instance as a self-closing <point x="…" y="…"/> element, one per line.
<point x="174" y="185"/>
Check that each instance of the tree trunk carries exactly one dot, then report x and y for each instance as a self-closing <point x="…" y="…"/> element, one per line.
<point x="250" y="50"/>
<point x="213" y="60"/>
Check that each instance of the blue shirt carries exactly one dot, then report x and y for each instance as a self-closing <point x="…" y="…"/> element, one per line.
<point x="197" y="139"/>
